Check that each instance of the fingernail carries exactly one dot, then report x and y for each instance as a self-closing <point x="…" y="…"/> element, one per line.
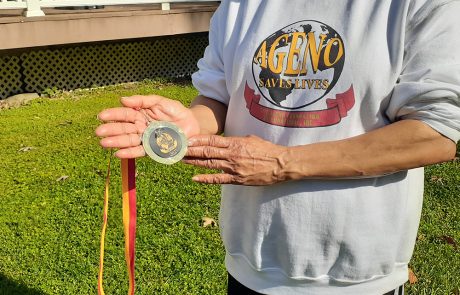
<point x="191" y="142"/>
<point x="195" y="178"/>
<point x="100" y="116"/>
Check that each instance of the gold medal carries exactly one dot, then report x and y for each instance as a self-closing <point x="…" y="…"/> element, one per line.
<point x="164" y="142"/>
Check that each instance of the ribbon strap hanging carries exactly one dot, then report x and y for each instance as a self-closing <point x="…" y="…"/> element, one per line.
<point x="128" y="179"/>
<point x="100" y="289"/>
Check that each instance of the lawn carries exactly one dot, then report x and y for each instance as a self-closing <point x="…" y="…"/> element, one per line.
<point x="51" y="196"/>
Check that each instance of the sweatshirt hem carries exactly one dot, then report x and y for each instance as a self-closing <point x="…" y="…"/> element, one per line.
<point x="275" y="281"/>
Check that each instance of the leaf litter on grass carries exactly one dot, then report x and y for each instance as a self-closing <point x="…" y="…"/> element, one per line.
<point x="26" y="149"/>
<point x="208" y="222"/>
<point x="412" y="277"/>
<point x="62" y="178"/>
<point x="449" y="240"/>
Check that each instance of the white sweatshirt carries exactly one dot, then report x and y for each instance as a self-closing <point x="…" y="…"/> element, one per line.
<point x="296" y="72"/>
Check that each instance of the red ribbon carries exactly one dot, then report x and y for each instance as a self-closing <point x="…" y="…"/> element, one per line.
<point x="336" y="109"/>
<point x="128" y="181"/>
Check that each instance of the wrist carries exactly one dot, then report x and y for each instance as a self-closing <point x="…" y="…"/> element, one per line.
<point x="292" y="164"/>
<point x="205" y="118"/>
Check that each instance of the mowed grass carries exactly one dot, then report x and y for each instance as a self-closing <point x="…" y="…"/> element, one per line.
<point x="50" y="229"/>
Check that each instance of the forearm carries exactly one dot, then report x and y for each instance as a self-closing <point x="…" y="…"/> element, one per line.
<point x="210" y="114"/>
<point x="403" y="145"/>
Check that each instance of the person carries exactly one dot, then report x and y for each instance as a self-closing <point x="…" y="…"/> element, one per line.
<point x="329" y="110"/>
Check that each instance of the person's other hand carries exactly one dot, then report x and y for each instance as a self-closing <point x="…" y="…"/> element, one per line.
<point x="123" y="126"/>
<point x="244" y="160"/>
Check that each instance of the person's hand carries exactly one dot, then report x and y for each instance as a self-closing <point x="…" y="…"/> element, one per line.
<point x="124" y="126"/>
<point x="244" y="160"/>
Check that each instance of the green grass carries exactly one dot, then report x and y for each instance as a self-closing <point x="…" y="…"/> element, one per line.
<point x="50" y="230"/>
<point x="436" y="262"/>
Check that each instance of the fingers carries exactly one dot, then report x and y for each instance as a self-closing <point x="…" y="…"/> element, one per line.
<point x="130" y="153"/>
<point x="209" y="147"/>
<point x="158" y="108"/>
<point x="221" y="178"/>
<point x="114" y="129"/>
<point x="121" y="141"/>
<point x="210" y="140"/>
<point x="155" y="107"/>
<point x="209" y="163"/>
<point x="207" y="152"/>
<point x="121" y="115"/>
<point x="141" y="101"/>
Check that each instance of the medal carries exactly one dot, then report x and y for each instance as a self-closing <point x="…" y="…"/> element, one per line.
<point x="164" y="142"/>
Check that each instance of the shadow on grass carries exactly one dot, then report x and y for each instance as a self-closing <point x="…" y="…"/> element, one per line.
<point x="10" y="287"/>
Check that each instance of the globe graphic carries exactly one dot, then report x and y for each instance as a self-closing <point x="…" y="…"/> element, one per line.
<point x="299" y="64"/>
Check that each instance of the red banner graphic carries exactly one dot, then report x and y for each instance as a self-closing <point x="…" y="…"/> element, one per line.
<point x="336" y="109"/>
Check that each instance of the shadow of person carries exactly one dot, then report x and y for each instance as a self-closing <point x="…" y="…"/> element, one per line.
<point x="10" y="287"/>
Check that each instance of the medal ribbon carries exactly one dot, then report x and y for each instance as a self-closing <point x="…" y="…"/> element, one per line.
<point x="128" y="181"/>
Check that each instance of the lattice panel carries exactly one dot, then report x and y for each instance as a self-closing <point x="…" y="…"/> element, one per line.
<point x="10" y="76"/>
<point x="106" y="64"/>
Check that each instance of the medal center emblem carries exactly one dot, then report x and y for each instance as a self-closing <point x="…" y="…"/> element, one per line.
<point x="164" y="142"/>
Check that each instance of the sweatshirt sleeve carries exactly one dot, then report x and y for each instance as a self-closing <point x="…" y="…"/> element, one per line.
<point x="429" y="85"/>
<point x="210" y="77"/>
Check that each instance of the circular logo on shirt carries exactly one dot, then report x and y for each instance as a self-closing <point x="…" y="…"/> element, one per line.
<point x="299" y="64"/>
